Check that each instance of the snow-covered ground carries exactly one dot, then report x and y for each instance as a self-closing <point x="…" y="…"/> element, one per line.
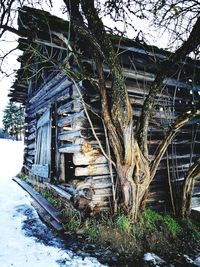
<point x="22" y="242"/>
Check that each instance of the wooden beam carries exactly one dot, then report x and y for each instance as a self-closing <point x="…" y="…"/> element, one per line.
<point x="46" y="87"/>
<point x="65" y="121"/>
<point x="41" y="201"/>
<point x="88" y="159"/>
<point x="71" y="135"/>
<point x="70" y="148"/>
<point x="72" y="106"/>
<point x="92" y="170"/>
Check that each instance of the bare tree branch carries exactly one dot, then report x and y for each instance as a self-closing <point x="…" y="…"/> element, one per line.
<point x="180" y="122"/>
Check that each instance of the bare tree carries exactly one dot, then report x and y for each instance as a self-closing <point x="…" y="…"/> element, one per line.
<point x="128" y="140"/>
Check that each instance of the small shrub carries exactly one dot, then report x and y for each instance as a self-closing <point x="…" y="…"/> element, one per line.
<point x="150" y="218"/>
<point x="123" y="223"/>
<point x="192" y="227"/>
<point x="49" y="197"/>
<point x="73" y="220"/>
<point x="23" y="177"/>
<point x="172" y="226"/>
<point x="92" y="231"/>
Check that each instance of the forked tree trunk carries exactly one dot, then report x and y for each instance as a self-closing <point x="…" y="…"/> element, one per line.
<point x="129" y="148"/>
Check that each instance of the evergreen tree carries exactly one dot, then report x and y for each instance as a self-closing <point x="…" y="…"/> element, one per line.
<point x="13" y="120"/>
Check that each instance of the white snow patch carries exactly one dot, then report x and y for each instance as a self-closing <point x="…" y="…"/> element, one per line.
<point x="151" y="257"/>
<point x="188" y="259"/>
<point x="16" y="249"/>
<point x="197" y="261"/>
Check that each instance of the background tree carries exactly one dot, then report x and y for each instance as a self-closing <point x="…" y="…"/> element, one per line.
<point x="134" y="167"/>
<point x="13" y="120"/>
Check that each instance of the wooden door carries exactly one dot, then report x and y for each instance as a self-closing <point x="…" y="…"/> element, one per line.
<point x="43" y="146"/>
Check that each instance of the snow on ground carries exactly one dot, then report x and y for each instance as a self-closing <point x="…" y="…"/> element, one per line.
<point x="20" y="243"/>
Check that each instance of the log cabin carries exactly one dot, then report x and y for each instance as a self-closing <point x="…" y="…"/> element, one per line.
<point x="62" y="140"/>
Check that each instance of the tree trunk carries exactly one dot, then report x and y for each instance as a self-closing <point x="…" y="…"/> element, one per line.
<point x="129" y="148"/>
<point x="188" y="186"/>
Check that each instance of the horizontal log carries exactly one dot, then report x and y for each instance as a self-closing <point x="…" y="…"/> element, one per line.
<point x="32" y="123"/>
<point x="92" y="170"/>
<point x="181" y="167"/>
<point x="31" y="146"/>
<point x="71" y="135"/>
<point x="95" y="203"/>
<point x="32" y="130"/>
<point x="101" y="198"/>
<point x="31" y="137"/>
<point x="70" y="148"/>
<point x="29" y="159"/>
<point x="60" y="192"/>
<point x="89" y="146"/>
<point x="65" y="121"/>
<point x="31" y="152"/>
<point x="80" y="124"/>
<point x="178" y="157"/>
<point x="107" y="191"/>
<point x="72" y="106"/>
<point x="41" y="106"/>
<point x="150" y="77"/>
<point x="88" y="159"/>
<point x="102" y="185"/>
<point x="93" y="184"/>
<point x="99" y="178"/>
<point x="49" y="85"/>
<point x="138" y="92"/>
<point x="177" y="141"/>
<point x="27" y="166"/>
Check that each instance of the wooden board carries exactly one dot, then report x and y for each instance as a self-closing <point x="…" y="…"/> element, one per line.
<point x="44" y="119"/>
<point x="40" y="170"/>
<point x="91" y="170"/>
<point x="88" y="159"/>
<point x="41" y="201"/>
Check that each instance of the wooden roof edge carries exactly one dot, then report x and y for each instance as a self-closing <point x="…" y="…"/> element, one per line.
<point x="58" y="24"/>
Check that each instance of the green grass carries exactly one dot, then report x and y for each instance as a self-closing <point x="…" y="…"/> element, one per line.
<point x="50" y="197"/>
<point x="73" y="222"/>
<point x="173" y="227"/>
<point x="119" y="233"/>
<point x="123" y="223"/>
<point x="23" y="177"/>
<point x="152" y="220"/>
<point x="193" y="227"/>
<point x="92" y="230"/>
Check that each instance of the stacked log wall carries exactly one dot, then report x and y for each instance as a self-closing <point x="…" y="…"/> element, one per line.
<point x="90" y="167"/>
<point x="75" y="137"/>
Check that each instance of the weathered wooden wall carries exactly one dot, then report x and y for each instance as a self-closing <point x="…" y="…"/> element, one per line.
<point x="79" y="160"/>
<point x="75" y="155"/>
